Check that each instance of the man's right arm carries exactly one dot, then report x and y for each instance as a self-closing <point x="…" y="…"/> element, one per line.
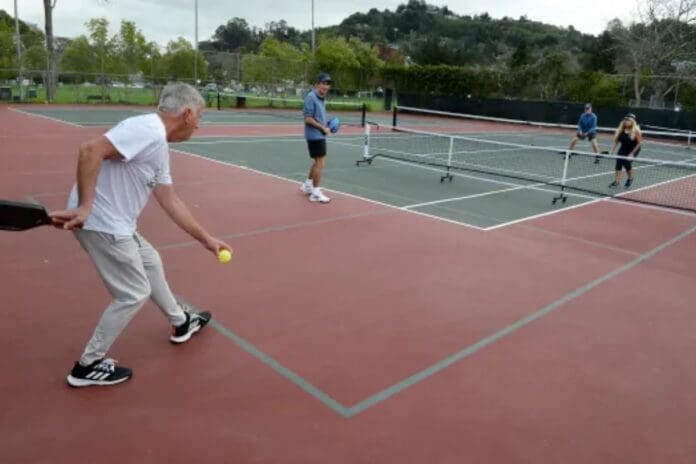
<point x="90" y="158"/>
<point x="310" y="121"/>
<point x="308" y="112"/>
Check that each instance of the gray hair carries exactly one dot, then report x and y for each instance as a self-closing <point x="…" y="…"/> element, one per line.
<point x="177" y="96"/>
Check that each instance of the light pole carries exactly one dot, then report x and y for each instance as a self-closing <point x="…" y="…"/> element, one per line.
<point x="19" y="53"/>
<point x="195" y="52"/>
<point x="313" y="42"/>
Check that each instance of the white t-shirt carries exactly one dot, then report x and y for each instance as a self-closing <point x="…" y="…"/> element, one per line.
<point x="124" y="186"/>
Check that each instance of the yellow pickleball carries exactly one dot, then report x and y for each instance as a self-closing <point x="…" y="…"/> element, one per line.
<point x="224" y="256"/>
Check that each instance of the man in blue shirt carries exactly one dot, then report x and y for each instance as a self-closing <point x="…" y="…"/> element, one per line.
<point x="587" y="129"/>
<point x="316" y="130"/>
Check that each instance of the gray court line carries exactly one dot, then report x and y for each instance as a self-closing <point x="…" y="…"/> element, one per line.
<point x="581" y="240"/>
<point x="510" y="329"/>
<point x="273" y="364"/>
<point x="282" y="370"/>
<point x="38" y="173"/>
<point x="284" y="227"/>
<point x="50" y="118"/>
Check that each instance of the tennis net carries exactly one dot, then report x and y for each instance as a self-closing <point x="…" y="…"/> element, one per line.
<point x="530" y="132"/>
<point x="667" y="183"/>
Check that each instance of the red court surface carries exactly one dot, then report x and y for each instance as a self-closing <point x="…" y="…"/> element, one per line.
<point x="352" y="332"/>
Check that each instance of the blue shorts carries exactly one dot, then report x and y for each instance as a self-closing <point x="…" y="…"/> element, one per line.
<point x="590" y="136"/>
<point x="317" y="148"/>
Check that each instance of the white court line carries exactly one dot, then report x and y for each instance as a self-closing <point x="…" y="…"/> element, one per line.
<point x="547" y="213"/>
<point x="465" y="197"/>
<point x="37" y="115"/>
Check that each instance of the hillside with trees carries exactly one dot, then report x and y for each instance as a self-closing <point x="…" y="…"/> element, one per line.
<point x="417" y="47"/>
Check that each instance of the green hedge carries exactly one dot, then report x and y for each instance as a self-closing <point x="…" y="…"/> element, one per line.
<point x="525" y="82"/>
<point x="443" y="80"/>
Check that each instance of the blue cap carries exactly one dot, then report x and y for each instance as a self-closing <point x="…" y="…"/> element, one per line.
<point x="324" y="77"/>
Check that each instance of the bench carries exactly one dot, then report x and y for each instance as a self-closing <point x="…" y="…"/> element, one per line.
<point x="98" y="98"/>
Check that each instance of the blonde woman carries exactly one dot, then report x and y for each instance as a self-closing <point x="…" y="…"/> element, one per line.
<point x="629" y="139"/>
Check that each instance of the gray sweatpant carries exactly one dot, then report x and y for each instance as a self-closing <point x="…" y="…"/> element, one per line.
<point x="132" y="272"/>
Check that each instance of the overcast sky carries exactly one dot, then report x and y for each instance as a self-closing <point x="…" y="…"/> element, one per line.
<point x="164" y="20"/>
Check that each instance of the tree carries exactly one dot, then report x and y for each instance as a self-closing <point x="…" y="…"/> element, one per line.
<point x="153" y="62"/>
<point x="78" y="56"/>
<point x="34" y="57"/>
<point x="521" y="55"/>
<point x="366" y="54"/>
<point x="664" y="34"/>
<point x="602" y="53"/>
<point x="131" y="48"/>
<point x="234" y="36"/>
<point x="7" y="52"/>
<point x="335" y="56"/>
<point x="389" y="54"/>
<point x="178" y="61"/>
<point x="31" y="42"/>
<point x="102" y="46"/>
<point x="285" y="61"/>
<point x="49" y="5"/>
<point x="553" y="69"/>
<point x="595" y="87"/>
<point x="276" y="61"/>
<point x="284" y="33"/>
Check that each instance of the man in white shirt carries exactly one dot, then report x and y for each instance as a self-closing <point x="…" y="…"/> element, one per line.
<point x="116" y="173"/>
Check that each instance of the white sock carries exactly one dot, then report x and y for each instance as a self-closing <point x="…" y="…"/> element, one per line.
<point x="309" y="183"/>
<point x="316" y="191"/>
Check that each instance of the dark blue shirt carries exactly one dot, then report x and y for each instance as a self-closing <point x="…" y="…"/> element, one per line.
<point x="314" y="107"/>
<point x="587" y="123"/>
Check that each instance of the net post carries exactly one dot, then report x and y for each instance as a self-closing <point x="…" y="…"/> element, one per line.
<point x="363" y="114"/>
<point x="394" y="116"/>
<point x="689" y="139"/>
<point x="218" y="99"/>
<point x="448" y="175"/>
<point x="366" y="148"/>
<point x="562" y="196"/>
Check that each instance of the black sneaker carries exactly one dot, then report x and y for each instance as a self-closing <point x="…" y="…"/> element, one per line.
<point x="628" y="183"/>
<point x="194" y="323"/>
<point x="100" y="372"/>
<point x="596" y="160"/>
<point x="613" y="184"/>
